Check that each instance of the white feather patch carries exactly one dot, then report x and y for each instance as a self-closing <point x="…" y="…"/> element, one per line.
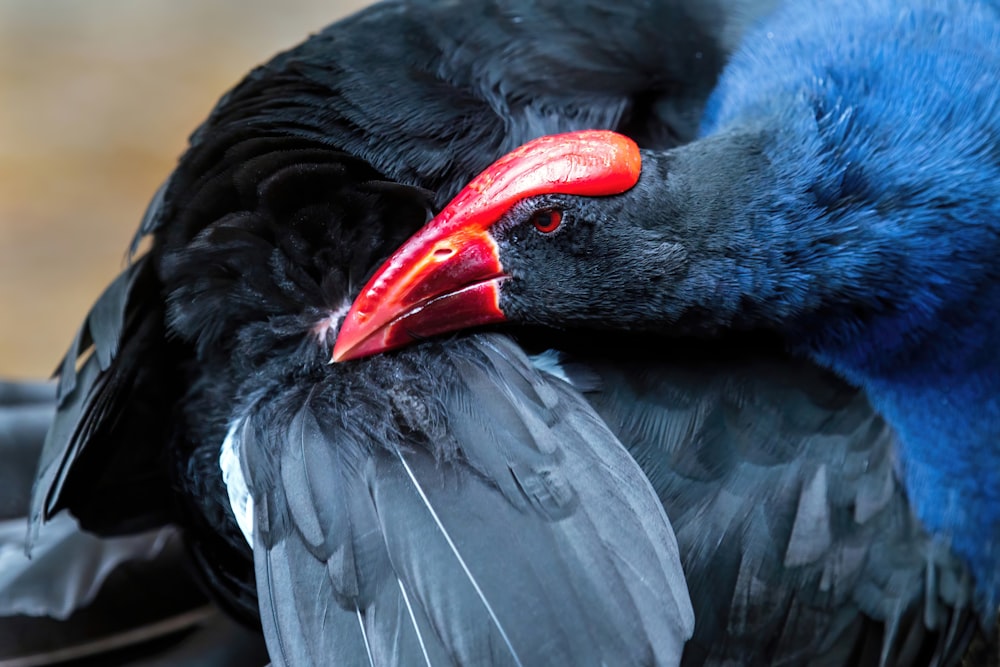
<point x="236" y="484"/>
<point x="327" y="328"/>
<point x="548" y="362"/>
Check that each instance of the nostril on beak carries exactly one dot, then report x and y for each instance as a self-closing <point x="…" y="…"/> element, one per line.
<point x="444" y="253"/>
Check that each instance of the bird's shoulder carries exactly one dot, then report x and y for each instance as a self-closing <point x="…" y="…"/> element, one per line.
<point x="780" y="481"/>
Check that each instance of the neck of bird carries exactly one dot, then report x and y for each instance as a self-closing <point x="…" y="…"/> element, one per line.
<point x="850" y="285"/>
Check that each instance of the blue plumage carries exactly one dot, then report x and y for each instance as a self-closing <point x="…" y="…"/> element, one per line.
<point x="883" y="135"/>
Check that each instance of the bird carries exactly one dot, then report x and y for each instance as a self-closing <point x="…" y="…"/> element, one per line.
<point x="794" y="313"/>
<point x="314" y="497"/>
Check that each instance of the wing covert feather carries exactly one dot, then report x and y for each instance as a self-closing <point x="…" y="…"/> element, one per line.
<point x="530" y="537"/>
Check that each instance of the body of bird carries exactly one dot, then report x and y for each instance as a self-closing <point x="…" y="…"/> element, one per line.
<point x="379" y="499"/>
<point x="842" y="198"/>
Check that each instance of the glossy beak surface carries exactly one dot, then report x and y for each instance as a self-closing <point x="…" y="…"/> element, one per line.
<point x="448" y="275"/>
<point x="432" y="285"/>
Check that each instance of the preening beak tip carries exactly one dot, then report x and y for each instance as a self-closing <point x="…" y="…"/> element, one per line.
<point x="342" y="352"/>
<point x="341" y="355"/>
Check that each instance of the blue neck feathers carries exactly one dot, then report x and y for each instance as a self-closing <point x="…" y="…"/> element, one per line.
<point x="880" y="219"/>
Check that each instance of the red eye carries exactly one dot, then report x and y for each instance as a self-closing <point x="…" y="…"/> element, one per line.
<point x="547" y="220"/>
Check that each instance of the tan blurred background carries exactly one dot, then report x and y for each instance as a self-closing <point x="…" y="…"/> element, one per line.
<point x="97" y="98"/>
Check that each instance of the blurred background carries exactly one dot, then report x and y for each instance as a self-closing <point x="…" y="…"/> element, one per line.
<point x="97" y="98"/>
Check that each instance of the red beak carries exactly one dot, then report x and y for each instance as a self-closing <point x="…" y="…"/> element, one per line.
<point x="448" y="275"/>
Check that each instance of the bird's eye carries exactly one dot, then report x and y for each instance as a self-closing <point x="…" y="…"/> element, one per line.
<point x="547" y="220"/>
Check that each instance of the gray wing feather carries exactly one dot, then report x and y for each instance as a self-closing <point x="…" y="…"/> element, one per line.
<point x="504" y="525"/>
